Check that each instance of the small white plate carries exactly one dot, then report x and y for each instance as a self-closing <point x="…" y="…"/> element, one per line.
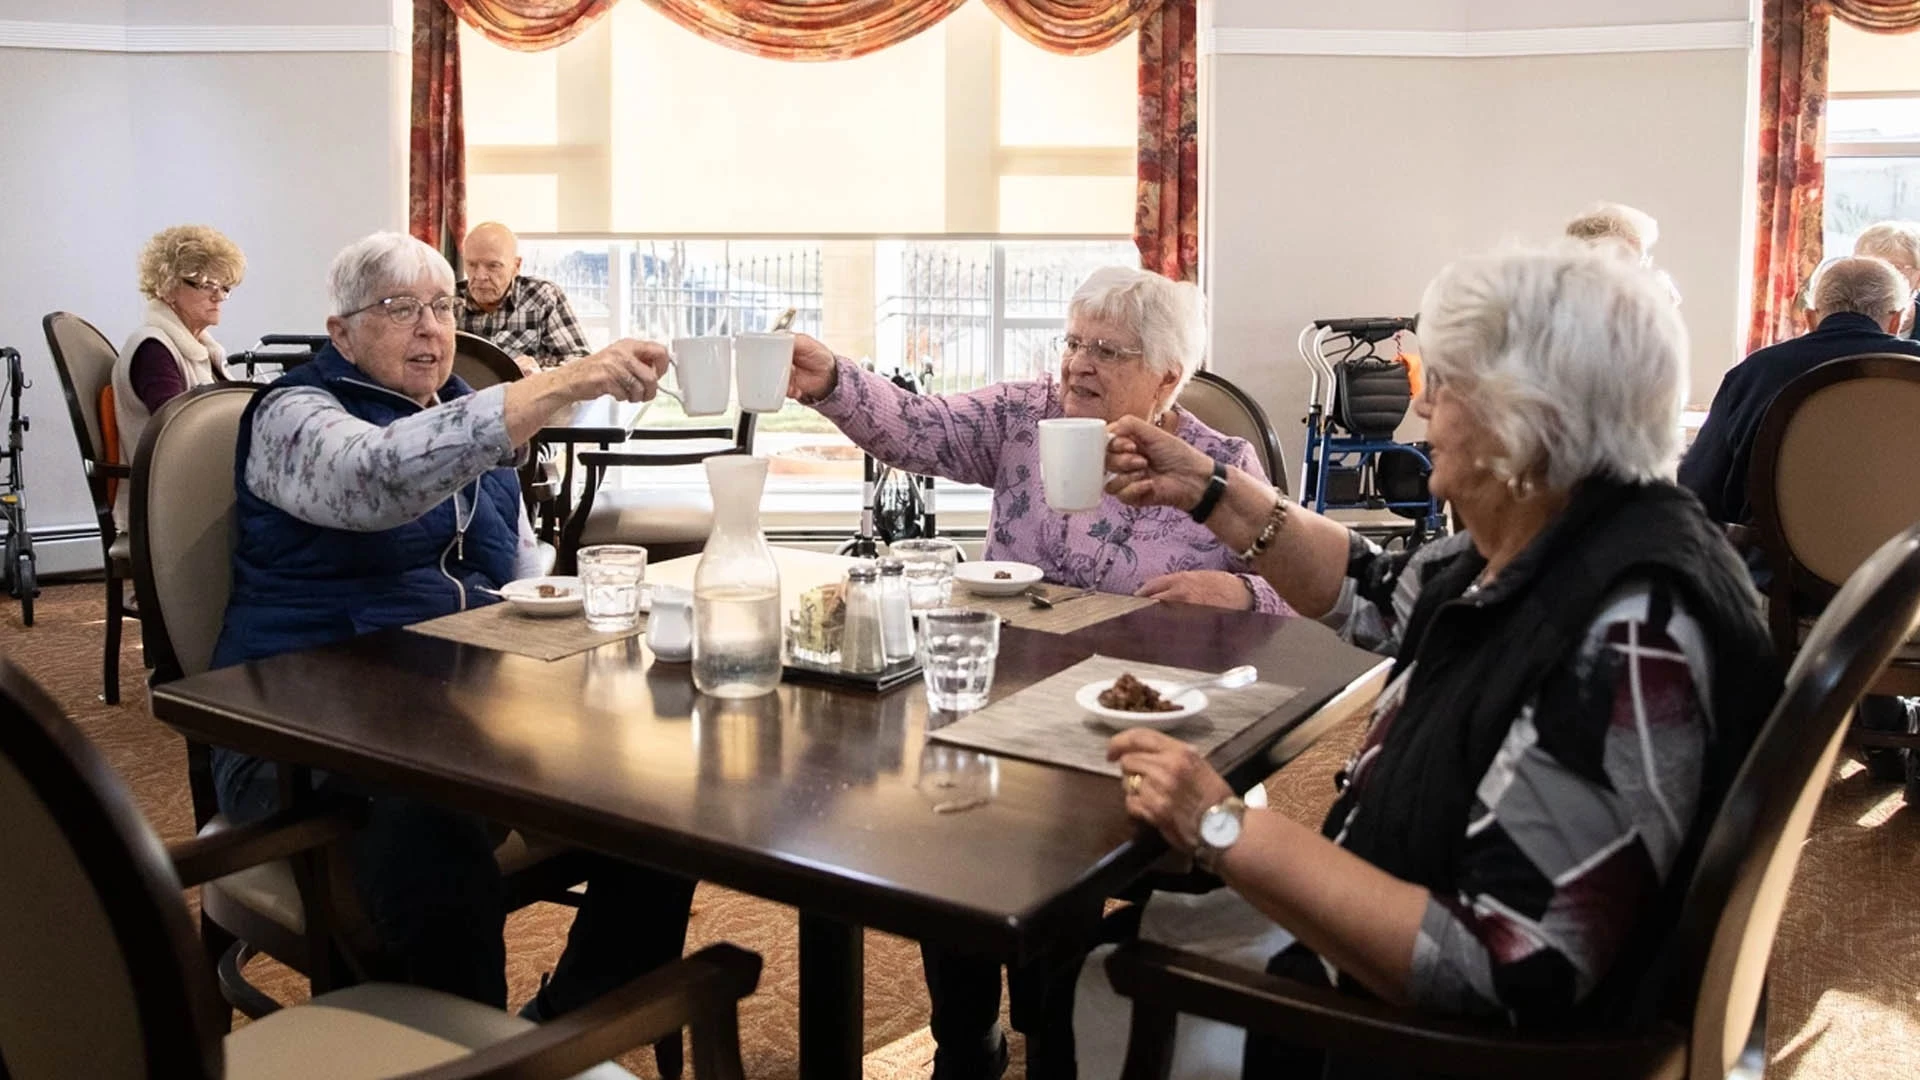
<point x="1191" y="703"/>
<point x="524" y="595"/>
<point x="979" y="577"/>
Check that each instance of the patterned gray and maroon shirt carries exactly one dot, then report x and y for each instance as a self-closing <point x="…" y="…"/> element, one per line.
<point x="1569" y="838"/>
<point x="990" y="437"/>
<point x="534" y="319"/>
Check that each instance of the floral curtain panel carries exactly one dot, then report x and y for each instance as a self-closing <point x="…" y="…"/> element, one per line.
<point x="1166" y="216"/>
<point x="437" y="150"/>
<point x="1793" y="106"/>
<point x="530" y="25"/>
<point x="1887" y="16"/>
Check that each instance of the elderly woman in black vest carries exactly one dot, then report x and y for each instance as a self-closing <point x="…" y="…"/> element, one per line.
<point x="376" y="489"/>
<point x="1576" y="676"/>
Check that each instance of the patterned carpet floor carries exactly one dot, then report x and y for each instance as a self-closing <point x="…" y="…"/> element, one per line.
<point x="1844" y="985"/>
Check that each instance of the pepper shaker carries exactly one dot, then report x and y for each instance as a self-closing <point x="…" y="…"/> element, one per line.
<point x="861" y="648"/>
<point x="896" y="612"/>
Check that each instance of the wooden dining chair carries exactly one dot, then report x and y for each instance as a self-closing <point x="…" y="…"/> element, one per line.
<point x="1835" y="471"/>
<point x="104" y="979"/>
<point x="480" y="364"/>
<point x="1701" y="1003"/>
<point x="668" y="522"/>
<point x="1216" y="402"/>
<point x="84" y="359"/>
<point x="300" y="913"/>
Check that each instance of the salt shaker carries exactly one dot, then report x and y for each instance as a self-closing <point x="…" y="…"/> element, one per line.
<point x="861" y="647"/>
<point x="896" y="614"/>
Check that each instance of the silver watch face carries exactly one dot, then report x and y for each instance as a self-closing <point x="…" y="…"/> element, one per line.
<point x="1219" y="827"/>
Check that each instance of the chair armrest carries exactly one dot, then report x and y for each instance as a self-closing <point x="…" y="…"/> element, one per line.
<point x="696" y="990"/>
<point x="109" y="470"/>
<point x="678" y="434"/>
<point x="605" y="459"/>
<point x="276" y="836"/>
<point x="1172" y="981"/>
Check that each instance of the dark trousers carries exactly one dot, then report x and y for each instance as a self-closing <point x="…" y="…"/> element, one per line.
<point x="427" y="880"/>
<point x="965" y="990"/>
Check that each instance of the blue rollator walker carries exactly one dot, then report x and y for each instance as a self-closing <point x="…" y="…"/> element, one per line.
<point x="1357" y="401"/>
<point x="17" y="574"/>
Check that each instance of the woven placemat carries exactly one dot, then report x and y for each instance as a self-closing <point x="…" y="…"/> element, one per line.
<point x="1076" y="614"/>
<point x="1042" y="723"/>
<point x="502" y="627"/>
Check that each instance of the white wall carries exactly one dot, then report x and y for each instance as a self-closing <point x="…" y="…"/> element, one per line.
<point x="291" y="153"/>
<point x="1338" y="184"/>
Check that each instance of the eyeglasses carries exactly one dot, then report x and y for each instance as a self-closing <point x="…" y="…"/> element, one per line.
<point x="405" y="310"/>
<point x="208" y="286"/>
<point x="1103" y="352"/>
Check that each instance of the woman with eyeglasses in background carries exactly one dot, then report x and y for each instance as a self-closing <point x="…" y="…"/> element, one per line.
<point x="186" y="273"/>
<point x="1133" y="340"/>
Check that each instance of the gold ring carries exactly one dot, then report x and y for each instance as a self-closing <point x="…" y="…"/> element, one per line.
<point x="1133" y="782"/>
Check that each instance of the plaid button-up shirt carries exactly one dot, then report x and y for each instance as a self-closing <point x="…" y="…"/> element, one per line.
<point x="533" y="319"/>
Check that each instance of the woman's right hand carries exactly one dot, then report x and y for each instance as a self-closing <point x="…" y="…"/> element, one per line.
<point x="815" y="370"/>
<point x="628" y="369"/>
<point x="1151" y="467"/>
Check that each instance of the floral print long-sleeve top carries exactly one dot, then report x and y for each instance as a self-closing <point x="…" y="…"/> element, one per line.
<point x="991" y="437"/>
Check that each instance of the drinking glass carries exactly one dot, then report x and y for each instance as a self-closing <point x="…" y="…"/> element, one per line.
<point x="929" y="571"/>
<point x="957" y="650"/>
<point x="610" y="576"/>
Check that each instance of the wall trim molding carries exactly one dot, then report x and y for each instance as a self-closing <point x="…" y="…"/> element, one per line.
<point x="1479" y="44"/>
<point x="108" y="37"/>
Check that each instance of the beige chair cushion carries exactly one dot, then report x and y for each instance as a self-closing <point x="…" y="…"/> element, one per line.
<point x="1219" y="410"/>
<point x="269" y="889"/>
<point x="1837" y="503"/>
<point x="649" y="516"/>
<point x="188" y="530"/>
<point x="370" y="1030"/>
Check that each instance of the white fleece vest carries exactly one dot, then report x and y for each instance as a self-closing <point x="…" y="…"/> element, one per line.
<point x="201" y="361"/>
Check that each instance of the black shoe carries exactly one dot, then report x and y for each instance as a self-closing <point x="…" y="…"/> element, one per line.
<point x="979" y="1064"/>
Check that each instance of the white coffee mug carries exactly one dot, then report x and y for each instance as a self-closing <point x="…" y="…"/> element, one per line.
<point x="1073" y="462"/>
<point x="704" y="368"/>
<point x="763" y="364"/>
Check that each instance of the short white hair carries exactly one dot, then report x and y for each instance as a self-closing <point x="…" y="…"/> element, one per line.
<point x="1619" y="223"/>
<point x="1860" y="284"/>
<point x="1170" y="316"/>
<point x="1574" y="360"/>
<point x="1898" y="242"/>
<point x="364" y="269"/>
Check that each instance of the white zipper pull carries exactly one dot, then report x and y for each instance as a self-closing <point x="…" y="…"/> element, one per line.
<point x="460" y="546"/>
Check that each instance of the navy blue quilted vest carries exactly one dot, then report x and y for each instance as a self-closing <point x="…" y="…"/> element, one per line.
<point x="297" y="585"/>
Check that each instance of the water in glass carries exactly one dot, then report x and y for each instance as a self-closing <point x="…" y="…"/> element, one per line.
<point x="610" y="578"/>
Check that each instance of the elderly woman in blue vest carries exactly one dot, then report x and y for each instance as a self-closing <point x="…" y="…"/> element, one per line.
<point x="1576" y="678"/>
<point x="375" y="489"/>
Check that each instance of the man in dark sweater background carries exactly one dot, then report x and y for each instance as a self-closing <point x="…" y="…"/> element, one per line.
<point x="1859" y="305"/>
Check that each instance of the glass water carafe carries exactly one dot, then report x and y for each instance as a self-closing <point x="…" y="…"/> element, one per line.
<point x="736" y="588"/>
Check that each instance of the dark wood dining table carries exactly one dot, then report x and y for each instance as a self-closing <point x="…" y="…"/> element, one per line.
<point x="809" y="796"/>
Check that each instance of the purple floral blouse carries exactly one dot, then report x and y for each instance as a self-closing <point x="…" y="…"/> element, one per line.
<point x="990" y="437"/>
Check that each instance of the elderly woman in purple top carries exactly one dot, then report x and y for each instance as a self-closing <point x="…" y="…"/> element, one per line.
<point x="1133" y="340"/>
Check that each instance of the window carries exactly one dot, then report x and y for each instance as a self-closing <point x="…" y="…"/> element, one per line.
<point x="928" y="208"/>
<point x="1873" y="133"/>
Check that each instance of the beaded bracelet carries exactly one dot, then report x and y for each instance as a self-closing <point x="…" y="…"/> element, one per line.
<point x="1275" y="520"/>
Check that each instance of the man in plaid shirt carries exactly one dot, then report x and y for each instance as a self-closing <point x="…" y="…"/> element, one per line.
<point x="528" y="317"/>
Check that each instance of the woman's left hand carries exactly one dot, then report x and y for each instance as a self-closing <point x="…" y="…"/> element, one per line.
<point x="1175" y="784"/>
<point x="1215" y="588"/>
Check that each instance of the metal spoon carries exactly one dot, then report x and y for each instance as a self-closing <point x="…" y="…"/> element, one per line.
<point x="1230" y="679"/>
<point x="785" y="320"/>
<point x="1039" y="601"/>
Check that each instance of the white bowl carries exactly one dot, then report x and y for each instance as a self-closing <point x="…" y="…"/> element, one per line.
<point x="979" y="578"/>
<point x="524" y="595"/>
<point x="1191" y="703"/>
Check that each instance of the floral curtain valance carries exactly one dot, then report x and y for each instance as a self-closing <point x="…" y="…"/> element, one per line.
<point x="812" y="29"/>
<point x="1885" y="16"/>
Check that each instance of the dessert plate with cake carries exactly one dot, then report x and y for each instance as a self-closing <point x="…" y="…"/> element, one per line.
<point x="544" y="597"/>
<point x="997" y="578"/>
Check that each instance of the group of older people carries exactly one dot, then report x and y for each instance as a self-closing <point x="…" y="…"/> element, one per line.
<point x="1576" y="673"/>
